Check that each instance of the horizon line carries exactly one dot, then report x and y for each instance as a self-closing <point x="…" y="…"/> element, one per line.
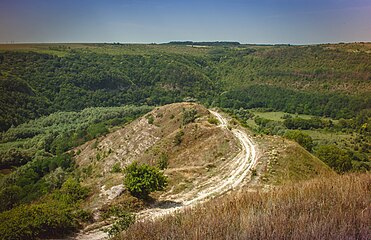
<point x="180" y="41"/>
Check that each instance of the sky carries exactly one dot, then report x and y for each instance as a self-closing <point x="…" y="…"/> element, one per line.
<point x="158" y="21"/>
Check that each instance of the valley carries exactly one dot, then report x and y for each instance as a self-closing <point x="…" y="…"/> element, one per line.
<point x="222" y="123"/>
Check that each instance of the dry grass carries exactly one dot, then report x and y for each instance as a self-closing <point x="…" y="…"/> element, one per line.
<point x="325" y="208"/>
<point x="283" y="161"/>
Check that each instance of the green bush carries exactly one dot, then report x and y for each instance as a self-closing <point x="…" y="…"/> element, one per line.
<point x="37" y="221"/>
<point x="335" y="157"/>
<point x="71" y="192"/>
<point x="116" y="168"/>
<point x="55" y="215"/>
<point x="150" y="119"/>
<point x="143" y="179"/>
<point x="213" y="120"/>
<point x="303" y="139"/>
<point x="9" y="197"/>
<point x="125" y="219"/>
<point x="189" y="116"/>
<point x="163" y="161"/>
<point x="178" y="138"/>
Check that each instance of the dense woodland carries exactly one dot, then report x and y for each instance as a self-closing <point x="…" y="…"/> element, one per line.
<point x="312" y="80"/>
<point x="59" y="97"/>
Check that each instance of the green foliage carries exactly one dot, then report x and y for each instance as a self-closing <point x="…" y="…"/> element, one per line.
<point x="82" y="79"/>
<point x="150" y="119"/>
<point x="247" y="76"/>
<point x="59" y="132"/>
<point x="123" y="222"/>
<point x="71" y="192"/>
<point x="96" y="130"/>
<point x="163" y="161"/>
<point x="303" y="139"/>
<point x="143" y="179"/>
<point x="314" y="103"/>
<point x="9" y="197"/>
<point x="116" y="168"/>
<point x="178" y="138"/>
<point x="213" y="120"/>
<point x="54" y="216"/>
<point x="15" y="157"/>
<point x="19" y="102"/>
<point x="36" y="220"/>
<point x="335" y="157"/>
<point x="189" y="116"/>
<point x="243" y="115"/>
<point x="299" y="123"/>
<point x="38" y="177"/>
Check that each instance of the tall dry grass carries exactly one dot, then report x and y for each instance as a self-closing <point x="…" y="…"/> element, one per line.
<point x="325" y="208"/>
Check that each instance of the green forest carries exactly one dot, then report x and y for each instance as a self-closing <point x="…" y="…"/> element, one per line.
<point x="302" y="79"/>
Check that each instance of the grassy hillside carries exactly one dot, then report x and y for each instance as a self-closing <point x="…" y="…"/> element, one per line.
<point x="322" y="208"/>
<point x="284" y="162"/>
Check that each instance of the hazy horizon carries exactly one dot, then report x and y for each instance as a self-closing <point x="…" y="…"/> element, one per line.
<point x="296" y="22"/>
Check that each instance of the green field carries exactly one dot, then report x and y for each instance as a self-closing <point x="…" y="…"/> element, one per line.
<point x="279" y="116"/>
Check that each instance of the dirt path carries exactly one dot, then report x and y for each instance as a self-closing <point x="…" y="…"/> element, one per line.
<point x="230" y="176"/>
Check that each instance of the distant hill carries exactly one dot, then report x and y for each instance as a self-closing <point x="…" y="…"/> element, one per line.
<point x="325" y="80"/>
<point x="217" y="43"/>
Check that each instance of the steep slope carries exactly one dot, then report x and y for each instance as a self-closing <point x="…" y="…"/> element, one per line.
<point x="324" y="208"/>
<point x="283" y="161"/>
<point x="194" y="148"/>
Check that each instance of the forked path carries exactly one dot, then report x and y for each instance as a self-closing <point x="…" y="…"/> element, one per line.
<point x="230" y="176"/>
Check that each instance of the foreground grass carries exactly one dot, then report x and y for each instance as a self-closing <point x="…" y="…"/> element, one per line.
<point x="325" y="208"/>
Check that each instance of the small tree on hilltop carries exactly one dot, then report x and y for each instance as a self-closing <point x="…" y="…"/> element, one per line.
<point x="143" y="179"/>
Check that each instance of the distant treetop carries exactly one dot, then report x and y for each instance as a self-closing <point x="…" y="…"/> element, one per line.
<point x="217" y="43"/>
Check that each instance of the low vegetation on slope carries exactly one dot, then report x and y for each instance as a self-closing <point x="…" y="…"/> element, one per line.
<point x="324" y="208"/>
<point x="284" y="162"/>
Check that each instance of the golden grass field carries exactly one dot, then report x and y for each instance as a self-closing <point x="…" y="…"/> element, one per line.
<point x="335" y="207"/>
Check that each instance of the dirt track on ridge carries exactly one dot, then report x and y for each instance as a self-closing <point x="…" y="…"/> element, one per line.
<point x="230" y="176"/>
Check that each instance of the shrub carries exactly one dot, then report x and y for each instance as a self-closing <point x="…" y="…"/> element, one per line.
<point x="96" y="130"/>
<point x="143" y="179"/>
<point x="9" y="197"/>
<point x="124" y="221"/>
<point x="15" y="157"/>
<point x="335" y="157"/>
<point x="37" y="220"/>
<point x="189" y="116"/>
<point x="178" y="138"/>
<point x="303" y="139"/>
<point x="71" y="192"/>
<point x="163" y="161"/>
<point x="213" y="120"/>
<point x="150" y="119"/>
<point x="116" y="168"/>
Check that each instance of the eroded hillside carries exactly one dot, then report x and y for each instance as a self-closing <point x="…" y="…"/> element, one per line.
<point x="180" y="133"/>
<point x="206" y="154"/>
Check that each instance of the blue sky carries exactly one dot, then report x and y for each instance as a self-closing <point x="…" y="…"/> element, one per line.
<point x="146" y="21"/>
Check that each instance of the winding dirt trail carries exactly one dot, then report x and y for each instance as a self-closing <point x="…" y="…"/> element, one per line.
<point x="230" y="176"/>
